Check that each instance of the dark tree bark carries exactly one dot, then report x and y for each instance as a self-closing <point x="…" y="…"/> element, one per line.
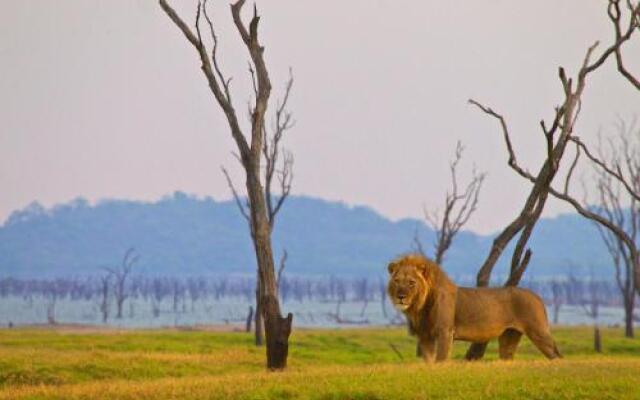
<point x="258" y="323"/>
<point x="249" y="320"/>
<point x="105" y="283"/>
<point x="562" y="127"/>
<point x="556" y="299"/>
<point x="261" y="211"/>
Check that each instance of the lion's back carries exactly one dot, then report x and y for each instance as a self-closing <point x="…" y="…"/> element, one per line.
<point x="484" y="313"/>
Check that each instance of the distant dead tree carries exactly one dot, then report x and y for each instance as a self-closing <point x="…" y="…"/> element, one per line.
<point x="284" y="287"/>
<point x="361" y="293"/>
<point x="382" y="289"/>
<point x="177" y="294"/>
<point x="120" y="275"/>
<point x="249" y="319"/>
<point x="621" y="208"/>
<point x="459" y="206"/>
<point x="261" y="206"/>
<point x="282" y="265"/>
<point x="105" y="284"/>
<point x="196" y="287"/>
<point x="557" y="136"/>
<point x="590" y="296"/>
<point x="51" y="293"/>
<point x="557" y="298"/>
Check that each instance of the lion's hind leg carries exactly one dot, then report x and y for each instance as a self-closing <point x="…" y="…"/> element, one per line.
<point x="544" y="342"/>
<point x="508" y="343"/>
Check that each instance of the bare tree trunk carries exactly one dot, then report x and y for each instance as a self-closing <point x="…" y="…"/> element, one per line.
<point x="120" y="275"/>
<point x="277" y="329"/>
<point x="249" y="320"/>
<point x="628" y="317"/>
<point x="597" y="341"/>
<point x="119" y="303"/>
<point x="51" y="311"/>
<point x="259" y="325"/>
<point x="104" y="305"/>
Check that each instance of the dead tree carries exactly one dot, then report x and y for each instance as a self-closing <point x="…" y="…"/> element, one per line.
<point x="557" y="136"/>
<point x="557" y="299"/>
<point x="382" y="289"/>
<point x="283" y="263"/>
<point x="120" y="275"/>
<point x="249" y="320"/>
<point x="458" y="208"/>
<point x="361" y="293"/>
<point x="284" y="286"/>
<point x="105" y="283"/>
<point x="51" y="293"/>
<point x="616" y="206"/>
<point x="261" y="207"/>
<point x="590" y="297"/>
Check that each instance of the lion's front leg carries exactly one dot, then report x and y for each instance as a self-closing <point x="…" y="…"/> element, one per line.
<point x="428" y="347"/>
<point x="444" y="342"/>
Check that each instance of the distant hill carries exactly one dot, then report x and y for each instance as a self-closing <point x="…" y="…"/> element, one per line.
<point x="181" y="234"/>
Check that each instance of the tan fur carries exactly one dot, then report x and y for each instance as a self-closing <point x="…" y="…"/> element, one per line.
<point x="439" y="312"/>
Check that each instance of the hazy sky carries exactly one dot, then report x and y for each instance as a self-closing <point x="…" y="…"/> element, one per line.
<point x="106" y="98"/>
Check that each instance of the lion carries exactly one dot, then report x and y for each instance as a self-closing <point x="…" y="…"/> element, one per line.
<point x="439" y="312"/>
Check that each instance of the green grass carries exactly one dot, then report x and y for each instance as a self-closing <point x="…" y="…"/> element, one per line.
<point x="323" y="364"/>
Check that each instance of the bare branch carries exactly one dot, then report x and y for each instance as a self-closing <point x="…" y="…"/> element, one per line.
<point x="244" y="209"/>
<point x="613" y="171"/>
<point x="214" y="53"/>
<point x="417" y="243"/>
<point x="283" y="261"/>
<point x="572" y="168"/>
<point x="458" y="208"/>
<point x="272" y="151"/>
<point x="219" y="94"/>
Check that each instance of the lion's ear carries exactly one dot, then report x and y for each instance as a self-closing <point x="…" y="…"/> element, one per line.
<point x="423" y="268"/>
<point x="392" y="267"/>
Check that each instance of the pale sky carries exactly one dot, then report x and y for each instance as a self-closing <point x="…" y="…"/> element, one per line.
<point x="105" y="99"/>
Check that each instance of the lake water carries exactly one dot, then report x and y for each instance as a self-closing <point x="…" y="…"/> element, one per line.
<point x="138" y="313"/>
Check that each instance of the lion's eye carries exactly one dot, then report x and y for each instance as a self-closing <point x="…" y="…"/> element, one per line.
<point x="412" y="283"/>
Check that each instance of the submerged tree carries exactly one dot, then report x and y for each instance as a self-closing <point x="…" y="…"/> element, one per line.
<point x="589" y="295"/>
<point x="120" y="275"/>
<point x="105" y="283"/>
<point x="260" y="209"/>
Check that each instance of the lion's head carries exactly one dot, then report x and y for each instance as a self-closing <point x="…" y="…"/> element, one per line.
<point x="409" y="282"/>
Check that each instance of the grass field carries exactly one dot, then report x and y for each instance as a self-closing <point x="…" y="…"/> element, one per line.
<point x="323" y="364"/>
